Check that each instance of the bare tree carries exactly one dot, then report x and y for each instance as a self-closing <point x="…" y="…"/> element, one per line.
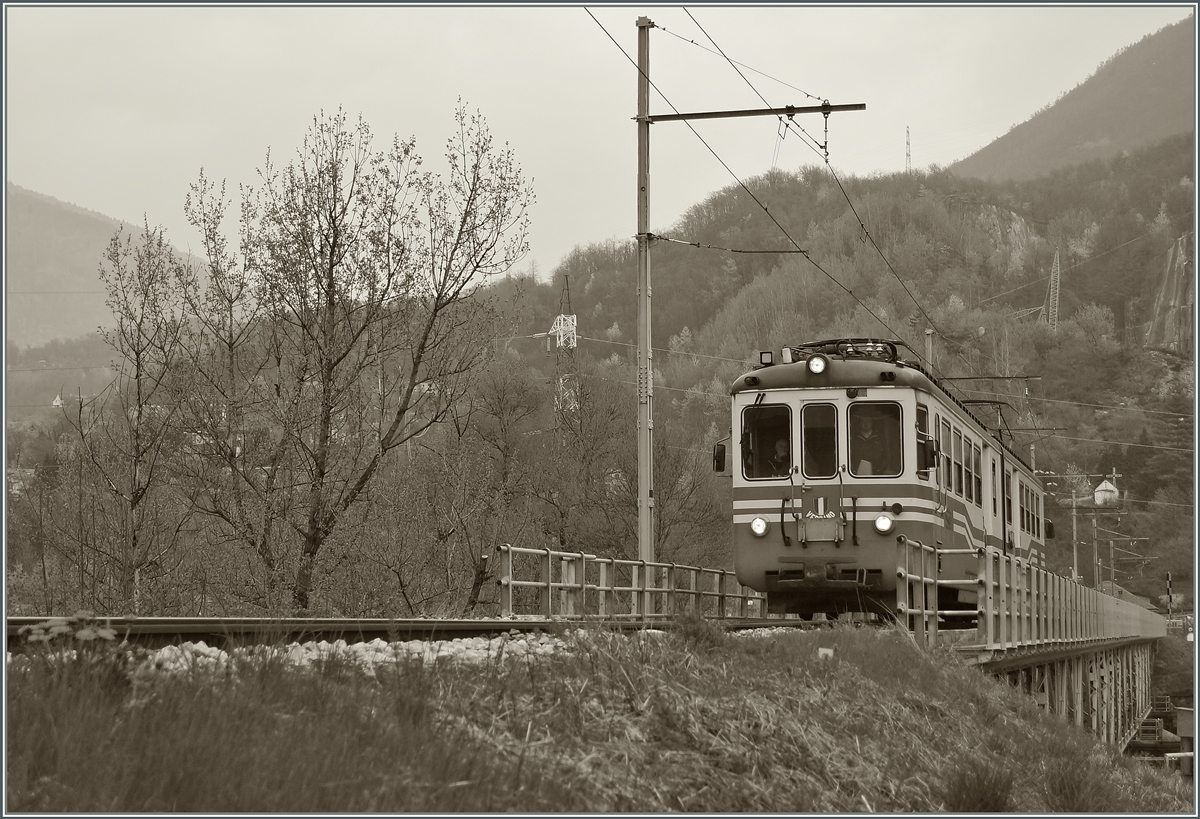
<point x="363" y="325"/>
<point x="125" y="439"/>
<point x="588" y="502"/>
<point x="232" y="401"/>
<point x="424" y="540"/>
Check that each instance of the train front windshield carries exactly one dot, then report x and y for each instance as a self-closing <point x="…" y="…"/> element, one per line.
<point x="874" y="437"/>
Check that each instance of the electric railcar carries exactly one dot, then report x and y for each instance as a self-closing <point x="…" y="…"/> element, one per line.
<point x="844" y="446"/>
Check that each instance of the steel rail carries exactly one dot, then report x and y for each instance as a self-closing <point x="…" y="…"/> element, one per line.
<point x="233" y="632"/>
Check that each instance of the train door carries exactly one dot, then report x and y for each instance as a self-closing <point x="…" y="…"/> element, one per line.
<point x="926" y="447"/>
<point x="993" y="518"/>
<point x="1006" y="510"/>
<point x="942" y="435"/>
<point x="928" y="461"/>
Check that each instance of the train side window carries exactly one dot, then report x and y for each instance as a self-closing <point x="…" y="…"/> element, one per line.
<point x="875" y="436"/>
<point x="958" y="463"/>
<point x="1008" y="512"/>
<point x="1030" y="511"/>
<point x="922" y="437"/>
<point x="945" y="447"/>
<point x="766" y="441"/>
<point x="1027" y="512"/>
<point x="967" y="474"/>
<point x="937" y="433"/>
<point x="978" y="460"/>
<point x="994" y="510"/>
<point x="818" y="437"/>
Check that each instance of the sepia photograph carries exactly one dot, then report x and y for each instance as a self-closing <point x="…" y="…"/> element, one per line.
<point x="589" y="409"/>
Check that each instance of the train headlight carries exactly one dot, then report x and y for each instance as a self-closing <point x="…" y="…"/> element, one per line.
<point x="759" y="526"/>
<point x="884" y="524"/>
<point x="817" y="364"/>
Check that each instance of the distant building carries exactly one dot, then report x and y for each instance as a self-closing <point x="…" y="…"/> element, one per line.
<point x="1106" y="494"/>
<point x="19" y="480"/>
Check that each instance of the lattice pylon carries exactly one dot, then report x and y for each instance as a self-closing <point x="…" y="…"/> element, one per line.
<point x="563" y="330"/>
<point x="1051" y="312"/>
<point x="566" y="396"/>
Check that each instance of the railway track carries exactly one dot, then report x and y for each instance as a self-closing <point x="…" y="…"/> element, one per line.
<point x="234" y="632"/>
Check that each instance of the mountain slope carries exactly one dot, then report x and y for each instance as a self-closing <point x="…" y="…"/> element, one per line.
<point x="52" y="259"/>
<point x="1139" y="96"/>
<point x="938" y="235"/>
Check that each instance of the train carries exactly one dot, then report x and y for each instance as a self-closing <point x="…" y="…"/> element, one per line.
<point x="842" y="446"/>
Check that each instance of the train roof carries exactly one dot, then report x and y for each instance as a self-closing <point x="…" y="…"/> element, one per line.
<point x="860" y="362"/>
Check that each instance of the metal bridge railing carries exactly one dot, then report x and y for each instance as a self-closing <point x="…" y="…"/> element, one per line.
<point x="1020" y="603"/>
<point x="575" y="584"/>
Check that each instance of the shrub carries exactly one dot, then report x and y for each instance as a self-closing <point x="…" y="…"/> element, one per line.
<point x="979" y="786"/>
<point x="696" y="632"/>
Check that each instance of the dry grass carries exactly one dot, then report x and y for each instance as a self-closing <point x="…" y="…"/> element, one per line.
<point x="691" y="720"/>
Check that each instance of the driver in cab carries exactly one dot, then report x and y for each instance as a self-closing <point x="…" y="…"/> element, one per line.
<point x="867" y="447"/>
<point x="780" y="462"/>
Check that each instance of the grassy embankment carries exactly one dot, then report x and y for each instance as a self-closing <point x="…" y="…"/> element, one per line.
<point x="692" y="720"/>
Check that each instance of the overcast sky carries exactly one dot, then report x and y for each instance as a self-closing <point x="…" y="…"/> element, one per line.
<point x="116" y="109"/>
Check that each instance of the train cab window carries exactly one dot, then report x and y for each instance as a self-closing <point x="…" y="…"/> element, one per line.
<point x="766" y="441"/>
<point x="875" y="436"/>
<point x="818" y="436"/>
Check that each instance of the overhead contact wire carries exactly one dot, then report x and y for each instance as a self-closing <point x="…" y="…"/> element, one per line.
<point x="742" y="184"/>
<point x="787" y="123"/>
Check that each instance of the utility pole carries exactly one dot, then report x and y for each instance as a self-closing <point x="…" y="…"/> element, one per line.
<point x="1077" y="576"/>
<point x="1112" y="570"/>
<point x="645" y="382"/>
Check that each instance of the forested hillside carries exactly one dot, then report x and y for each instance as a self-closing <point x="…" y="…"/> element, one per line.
<point x="1139" y="96"/>
<point x="886" y="238"/>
